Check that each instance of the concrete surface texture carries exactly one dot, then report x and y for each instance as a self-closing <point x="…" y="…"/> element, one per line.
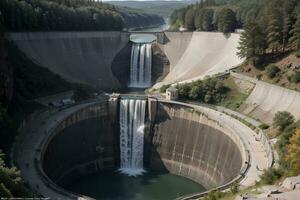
<point x="257" y="152"/>
<point x="195" y="55"/>
<point x="267" y="99"/>
<point x="60" y="140"/>
<point x="189" y="144"/>
<point x="84" y="57"/>
<point x="70" y="154"/>
<point x="27" y="148"/>
<point x="87" y="57"/>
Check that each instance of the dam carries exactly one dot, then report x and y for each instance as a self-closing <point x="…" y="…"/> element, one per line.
<point x="159" y="142"/>
<point x="111" y="60"/>
<point x="142" y="144"/>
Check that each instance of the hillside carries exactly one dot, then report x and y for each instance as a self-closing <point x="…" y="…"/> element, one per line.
<point x="161" y="8"/>
<point x="63" y="15"/>
<point x="283" y="71"/>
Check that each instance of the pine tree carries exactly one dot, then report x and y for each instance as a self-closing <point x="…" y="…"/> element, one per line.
<point x="293" y="152"/>
<point x="251" y="44"/>
<point x="226" y="20"/>
<point x="289" y="13"/>
<point x="189" y="19"/>
<point x="274" y="33"/>
<point x="207" y="22"/>
<point x="295" y="34"/>
<point x="199" y="19"/>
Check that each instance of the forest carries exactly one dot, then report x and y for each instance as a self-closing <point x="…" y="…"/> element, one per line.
<point x="268" y="26"/>
<point x="38" y="15"/>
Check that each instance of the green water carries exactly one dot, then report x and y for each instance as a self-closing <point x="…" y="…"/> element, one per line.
<point x="150" y="186"/>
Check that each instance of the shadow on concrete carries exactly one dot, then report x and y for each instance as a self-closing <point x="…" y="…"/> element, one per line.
<point x="160" y="64"/>
<point x="121" y="65"/>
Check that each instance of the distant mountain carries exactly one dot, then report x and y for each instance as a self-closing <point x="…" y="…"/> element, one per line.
<point x="162" y="8"/>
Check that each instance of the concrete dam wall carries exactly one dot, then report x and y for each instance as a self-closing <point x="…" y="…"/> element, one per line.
<point x="102" y="59"/>
<point x="81" y="144"/>
<point x="178" y="140"/>
<point x="194" y="55"/>
<point x="188" y="143"/>
<point x="84" y="57"/>
<point x="267" y="99"/>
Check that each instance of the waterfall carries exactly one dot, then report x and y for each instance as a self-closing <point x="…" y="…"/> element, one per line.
<point x="140" y="66"/>
<point x="132" y="124"/>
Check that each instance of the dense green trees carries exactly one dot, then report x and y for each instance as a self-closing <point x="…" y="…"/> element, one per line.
<point x="283" y="119"/>
<point x="205" y="16"/>
<point x="274" y="32"/>
<point x="210" y="90"/>
<point x="295" y="32"/>
<point x="226" y="21"/>
<point x="189" y="19"/>
<point x="252" y="44"/>
<point x="275" y="27"/>
<point x="269" y="26"/>
<point x="20" y="15"/>
<point x="204" y="20"/>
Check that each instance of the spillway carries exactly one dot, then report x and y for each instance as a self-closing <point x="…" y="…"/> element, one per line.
<point x="140" y="66"/>
<point x="132" y="124"/>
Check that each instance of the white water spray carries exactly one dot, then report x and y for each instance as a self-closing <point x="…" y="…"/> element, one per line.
<point x="140" y="67"/>
<point x="132" y="124"/>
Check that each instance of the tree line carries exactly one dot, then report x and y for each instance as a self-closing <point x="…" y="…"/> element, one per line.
<point x="44" y="15"/>
<point x="269" y="26"/>
<point x="209" y="90"/>
<point x="275" y="28"/>
<point x="205" y="16"/>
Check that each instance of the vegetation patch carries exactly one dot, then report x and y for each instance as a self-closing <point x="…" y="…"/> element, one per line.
<point x="11" y="184"/>
<point x="222" y="91"/>
<point x="264" y="126"/>
<point x="210" y="90"/>
<point x="235" y="96"/>
<point x="287" y="148"/>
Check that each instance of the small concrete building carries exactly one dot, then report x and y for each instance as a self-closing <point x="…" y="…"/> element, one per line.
<point x="171" y="93"/>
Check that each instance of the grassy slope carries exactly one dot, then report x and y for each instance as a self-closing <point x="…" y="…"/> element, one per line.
<point x="235" y="97"/>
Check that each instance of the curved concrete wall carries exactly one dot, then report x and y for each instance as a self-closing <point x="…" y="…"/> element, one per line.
<point x="186" y="142"/>
<point x="88" y="57"/>
<point x="84" y="57"/>
<point x="81" y="144"/>
<point x="267" y="99"/>
<point x="175" y="44"/>
<point x="181" y="141"/>
<point x="194" y="55"/>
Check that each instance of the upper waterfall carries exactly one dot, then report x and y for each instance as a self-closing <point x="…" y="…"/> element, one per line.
<point x="140" y="67"/>
<point x="132" y="125"/>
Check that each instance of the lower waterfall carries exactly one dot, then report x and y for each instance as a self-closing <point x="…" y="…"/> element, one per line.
<point x="140" y="66"/>
<point x="132" y="125"/>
